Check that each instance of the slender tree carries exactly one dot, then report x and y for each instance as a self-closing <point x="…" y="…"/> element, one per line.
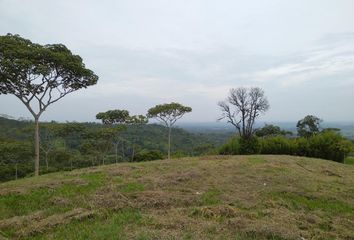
<point x="168" y="114"/>
<point x="40" y="76"/>
<point x="242" y="107"/>
<point x="120" y="118"/>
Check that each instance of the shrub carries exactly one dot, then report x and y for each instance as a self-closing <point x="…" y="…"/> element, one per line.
<point x="148" y="155"/>
<point x="327" y="145"/>
<point x="249" y="145"/>
<point x="231" y="147"/>
<point x="277" y="145"/>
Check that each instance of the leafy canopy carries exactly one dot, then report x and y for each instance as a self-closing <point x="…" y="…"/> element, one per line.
<point x="308" y="126"/>
<point x="117" y="116"/>
<point x="168" y="113"/>
<point x="44" y="73"/>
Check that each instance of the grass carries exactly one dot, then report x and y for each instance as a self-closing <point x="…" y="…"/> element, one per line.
<point x="210" y="197"/>
<point x="349" y="160"/>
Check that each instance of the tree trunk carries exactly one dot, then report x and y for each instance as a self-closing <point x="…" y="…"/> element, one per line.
<point x="36" y="146"/>
<point x="133" y="152"/>
<point x="116" y="152"/>
<point x="123" y="150"/>
<point x="16" y="175"/>
<point x="46" y="160"/>
<point x="169" y="143"/>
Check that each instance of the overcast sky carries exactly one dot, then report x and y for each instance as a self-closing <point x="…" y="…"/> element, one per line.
<point x="193" y="51"/>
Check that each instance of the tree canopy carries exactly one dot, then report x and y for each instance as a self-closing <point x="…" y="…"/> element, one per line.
<point x="308" y="126"/>
<point x="40" y="75"/>
<point x="168" y="114"/>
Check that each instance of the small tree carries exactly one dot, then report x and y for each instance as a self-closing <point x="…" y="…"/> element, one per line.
<point x="308" y="126"/>
<point x="40" y="76"/>
<point x="120" y="118"/>
<point x="168" y="114"/>
<point x="242" y="107"/>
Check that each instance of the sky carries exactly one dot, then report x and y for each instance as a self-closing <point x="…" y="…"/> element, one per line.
<point x="193" y="51"/>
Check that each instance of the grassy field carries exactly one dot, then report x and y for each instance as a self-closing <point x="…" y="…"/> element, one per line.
<point x="213" y="197"/>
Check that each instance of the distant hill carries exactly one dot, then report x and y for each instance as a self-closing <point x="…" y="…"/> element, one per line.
<point x="210" y="197"/>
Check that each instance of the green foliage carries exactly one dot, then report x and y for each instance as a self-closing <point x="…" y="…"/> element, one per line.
<point x="271" y="130"/>
<point x="329" y="145"/>
<point x="231" y="147"/>
<point x="168" y="111"/>
<point x="22" y="61"/>
<point x="148" y="155"/>
<point x="277" y="145"/>
<point x="308" y="126"/>
<point x="76" y="145"/>
<point x="249" y="145"/>
<point x="113" y="116"/>
<point x="326" y="145"/>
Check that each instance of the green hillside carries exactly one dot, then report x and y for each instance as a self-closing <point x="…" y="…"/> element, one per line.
<point x="211" y="197"/>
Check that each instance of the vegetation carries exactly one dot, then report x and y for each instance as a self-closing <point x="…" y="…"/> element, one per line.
<point x="168" y="114"/>
<point x="242" y="107"/>
<point x="326" y="145"/>
<point x="210" y="197"/>
<point x="76" y="145"/>
<point x="40" y="76"/>
<point x="308" y="126"/>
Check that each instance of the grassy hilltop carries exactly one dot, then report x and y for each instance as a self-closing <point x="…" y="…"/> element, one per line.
<point x="213" y="197"/>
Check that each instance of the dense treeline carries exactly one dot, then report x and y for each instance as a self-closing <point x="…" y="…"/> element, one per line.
<point x="66" y="146"/>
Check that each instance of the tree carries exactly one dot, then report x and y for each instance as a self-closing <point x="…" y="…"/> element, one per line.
<point x="308" y="126"/>
<point x="242" y="107"/>
<point x="121" y="118"/>
<point x="271" y="130"/>
<point x="40" y="76"/>
<point x="100" y="140"/>
<point x="168" y="114"/>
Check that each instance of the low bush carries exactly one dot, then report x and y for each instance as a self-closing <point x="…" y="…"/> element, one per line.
<point x="148" y="155"/>
<point x="231" y="147"/>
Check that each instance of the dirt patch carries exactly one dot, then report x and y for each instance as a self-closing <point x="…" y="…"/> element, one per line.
<point x="54" y="220"/>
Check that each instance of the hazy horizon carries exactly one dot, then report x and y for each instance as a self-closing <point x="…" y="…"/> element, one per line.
<point x="146" y="53"/>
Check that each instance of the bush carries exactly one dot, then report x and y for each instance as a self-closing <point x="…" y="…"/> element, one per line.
<point x="249" y="145"/>
<point x="231" y="147"/>
<point x="148" y="155"/>
<point x="277" y="145"/>
<point x="327" y="145"/>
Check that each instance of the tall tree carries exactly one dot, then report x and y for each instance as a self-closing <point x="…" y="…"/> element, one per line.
<point x="242" y="107"/>
<point x="40" y="75"/>
<point x="308" y="126"/>
<point x="168" y="114"/>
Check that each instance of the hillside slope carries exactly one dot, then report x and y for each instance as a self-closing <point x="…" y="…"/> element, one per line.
<point x="213" y="197"/>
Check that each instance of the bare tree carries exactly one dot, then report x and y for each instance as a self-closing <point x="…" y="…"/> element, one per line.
<point x="242" y="107"/>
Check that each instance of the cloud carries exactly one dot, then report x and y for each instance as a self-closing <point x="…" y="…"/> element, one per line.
<point x="333" y="59"/>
